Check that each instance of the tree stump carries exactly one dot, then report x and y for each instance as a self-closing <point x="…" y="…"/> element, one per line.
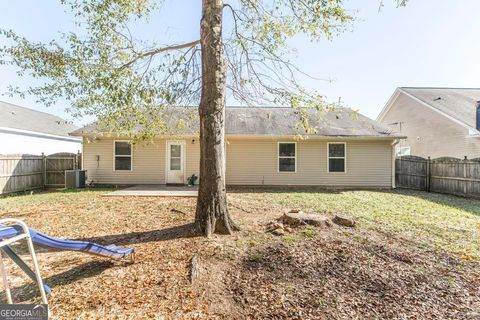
<point x="300" y="218"/>
<point x="344" y="220"/>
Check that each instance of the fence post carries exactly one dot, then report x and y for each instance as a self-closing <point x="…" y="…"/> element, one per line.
<point x="44" y="158"/>
<point x="400" y="171"/>
<point x="428" y="176"/>
<point x="465" y="175"/>
<point x="77" y="160"/>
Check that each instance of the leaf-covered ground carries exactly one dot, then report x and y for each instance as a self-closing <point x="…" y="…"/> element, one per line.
<point x="412" y="255"/>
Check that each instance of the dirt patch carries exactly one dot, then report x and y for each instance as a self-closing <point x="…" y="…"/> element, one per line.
<point x="336" y="276"/>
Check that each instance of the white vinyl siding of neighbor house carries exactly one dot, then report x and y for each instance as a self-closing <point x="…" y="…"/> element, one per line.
<point x="250" y="161"/>
<point x="15" y="141"/>
<point x="428" y="132"/>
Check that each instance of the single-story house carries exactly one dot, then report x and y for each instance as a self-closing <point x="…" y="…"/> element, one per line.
<point x="262" y="148"/>
<point x="27" y="131"/>
<point x="438" y="122"/>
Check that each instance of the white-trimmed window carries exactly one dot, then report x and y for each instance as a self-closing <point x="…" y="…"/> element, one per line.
<point x="175" y="157"/>
<point x="403" y="151"/>
<point x="122" y="151"/>
<point x="337" y="156"/>
<point x="287" y="157"/>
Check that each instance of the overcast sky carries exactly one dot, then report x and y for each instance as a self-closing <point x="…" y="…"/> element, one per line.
<point x="428" y="43"/>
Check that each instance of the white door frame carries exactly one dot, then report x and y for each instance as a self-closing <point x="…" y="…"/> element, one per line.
<point x="182" y="162"/>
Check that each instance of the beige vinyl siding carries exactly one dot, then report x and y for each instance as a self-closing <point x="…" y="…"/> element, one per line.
<point x="250" y="162"/>
<point x="254" y="162"/>
<point x="428" y="132"/>
<point x="148" y="162"/>
<point x="192" y="161"/>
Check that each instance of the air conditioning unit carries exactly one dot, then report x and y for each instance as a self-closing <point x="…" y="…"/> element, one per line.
<point x="75" y="179"/>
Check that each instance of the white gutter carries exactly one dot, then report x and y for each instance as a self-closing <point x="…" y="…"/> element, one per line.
<point x="313" y="137"/>
<point x="255" y="136"/>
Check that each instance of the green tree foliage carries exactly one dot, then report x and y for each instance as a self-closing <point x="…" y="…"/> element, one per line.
<point x="105" y="71"/>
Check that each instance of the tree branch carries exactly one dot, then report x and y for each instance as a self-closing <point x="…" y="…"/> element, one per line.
<point x="159" y="50"/>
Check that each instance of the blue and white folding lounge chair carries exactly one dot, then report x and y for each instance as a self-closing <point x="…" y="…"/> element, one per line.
<point x="13" y="230"/>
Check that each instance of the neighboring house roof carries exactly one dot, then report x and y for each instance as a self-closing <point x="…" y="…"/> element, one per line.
<point x="20" y="118"/>
<point x="275" y="121"/>
<point x="458" y="104"/>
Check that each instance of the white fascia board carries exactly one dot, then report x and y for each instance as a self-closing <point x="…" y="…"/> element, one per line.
<point x="307" y="137"/>
<point x="388" y="105"/>
<point x="254" y="136"/>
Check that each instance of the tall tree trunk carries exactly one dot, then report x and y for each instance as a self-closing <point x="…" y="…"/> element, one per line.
<point x="212" y="212"/>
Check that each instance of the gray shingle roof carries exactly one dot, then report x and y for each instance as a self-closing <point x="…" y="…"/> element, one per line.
<point x="16" y="117"/>
<point x="459" y="103"/>
<point x="278" y="121"/>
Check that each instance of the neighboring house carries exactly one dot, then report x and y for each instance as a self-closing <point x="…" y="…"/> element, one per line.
<point x="262" y="148"/>
<point x="438" y="122"/>
<point x="26" y="131"/>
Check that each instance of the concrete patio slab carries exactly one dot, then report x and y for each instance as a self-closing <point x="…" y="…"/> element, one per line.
<point x="156" y="190"/>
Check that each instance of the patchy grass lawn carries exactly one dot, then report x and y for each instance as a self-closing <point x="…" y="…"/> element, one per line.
<point x="412" y="255"/>
<point x="433" y="220"/>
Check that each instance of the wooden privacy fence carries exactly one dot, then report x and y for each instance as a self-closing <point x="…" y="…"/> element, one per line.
<point x="27" y="172"/>
<point x="445" y="175"/>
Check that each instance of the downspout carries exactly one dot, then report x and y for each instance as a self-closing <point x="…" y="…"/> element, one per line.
<point x="83" y="152"/>
<point x="393" y="144"/>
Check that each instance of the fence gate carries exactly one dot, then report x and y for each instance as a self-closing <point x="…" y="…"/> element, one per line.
<point x="28" y="172"/>
<point x="411" y="172"/>
<point x="55" y="166"/>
